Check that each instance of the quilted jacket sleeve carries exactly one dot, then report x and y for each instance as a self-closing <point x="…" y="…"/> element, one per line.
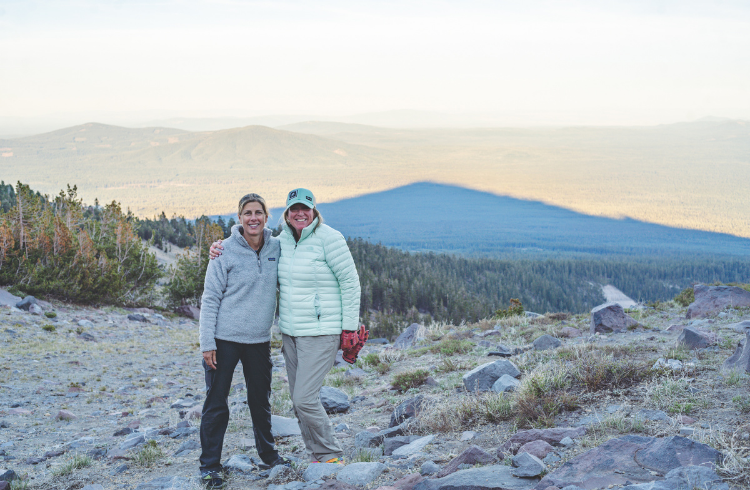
<point x="339" y="259"/>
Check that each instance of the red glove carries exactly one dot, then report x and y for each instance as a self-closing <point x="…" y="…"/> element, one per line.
<point x="352" y="343"/>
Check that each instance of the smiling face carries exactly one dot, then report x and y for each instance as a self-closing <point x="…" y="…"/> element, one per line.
<point x="300" y="217"/>
<point x="253" y="219"/>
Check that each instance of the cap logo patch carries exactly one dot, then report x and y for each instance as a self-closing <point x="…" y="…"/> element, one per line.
<point x="308" y="198"/>
<point x="292" y="194"/>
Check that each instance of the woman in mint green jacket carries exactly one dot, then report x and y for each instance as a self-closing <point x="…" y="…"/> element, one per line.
<point x="319" y="298"/>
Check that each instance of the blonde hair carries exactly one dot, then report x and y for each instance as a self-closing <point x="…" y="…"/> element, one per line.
<point x="252" y="198"/>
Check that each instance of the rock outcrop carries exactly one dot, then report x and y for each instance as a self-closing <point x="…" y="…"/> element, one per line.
<point x="712" y="299"/>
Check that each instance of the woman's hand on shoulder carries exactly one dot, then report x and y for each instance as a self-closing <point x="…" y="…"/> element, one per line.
<point x="216" y="249"/>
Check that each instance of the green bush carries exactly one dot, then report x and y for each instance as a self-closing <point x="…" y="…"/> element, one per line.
<point x="48" y="328"/>
<point x="515" y="309"/>
<point x="58" y="248"/>
<point x="685" y="297"/>
<point x="409" y="379"/>
<point x="50" y="314"/>
<point x="449" y="347"/>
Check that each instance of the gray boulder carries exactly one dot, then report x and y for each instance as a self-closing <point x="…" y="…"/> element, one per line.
<point x="684" y="478"/>
<point x="486" y="478"/>
<point x="692" y="338"/>
<point x="7" y="299"/>
<point x="166" y="483"/>
<point x="284" y="427"/>
<point x="505" y="384"/>
<point x="26" y="303"/>
<point x="408" y="337"/>
<point x="503" y="351"/>
<point x="7" y="475"/>
<point x="471" y="456"/>
<point x="741" y="327"/>
<point x="527" y="465"/>
<point x="546" y="342"/>
<point x="319" y="470"/>
<point x="710" y="299"/>
<point x="636" y="458"/>
<point x="740" y="360"/>
<point x="610" y="317"/>
<point x="413" y="447"/>
<point x="551" y="436"/>
<point x="334" y="400"/>
<point x="36" y="310"/>
<point x="187" y="447"/>
<point x="189" y="311"/>
<point x="360" y="474"/>
<point x="406" y="410"/>
<point x="481" y="378"/>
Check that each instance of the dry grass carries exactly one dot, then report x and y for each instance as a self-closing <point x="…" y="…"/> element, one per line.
<point x="735" y="466"/>
<point x="464" y="413"/>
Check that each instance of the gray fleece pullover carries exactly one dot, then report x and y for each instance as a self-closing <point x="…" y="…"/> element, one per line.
<point x="239" y="295"/>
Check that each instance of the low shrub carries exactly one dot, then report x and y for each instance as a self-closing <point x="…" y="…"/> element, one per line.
<point x="409" y="379"/>
<point x="149" y="455"/>
<point x="685" y="297"/>
<point x="50" y="314"/>
<point x="48" y="328"/>
<point x="450" y="347"/>
<point x="515" y="309"/>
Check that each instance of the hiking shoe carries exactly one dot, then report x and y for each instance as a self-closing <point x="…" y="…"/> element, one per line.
<point x="212" y="480"/>
<point x="336" y="461"/>
<point x="280" y="460"/>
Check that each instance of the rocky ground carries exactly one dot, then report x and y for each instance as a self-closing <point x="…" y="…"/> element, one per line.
<point x="112" y="397"/>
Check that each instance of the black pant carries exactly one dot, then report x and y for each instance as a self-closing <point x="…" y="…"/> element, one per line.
<point x="256" y="364"/>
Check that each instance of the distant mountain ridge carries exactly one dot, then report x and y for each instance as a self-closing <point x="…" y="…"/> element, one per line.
<point x="444" y="218"/>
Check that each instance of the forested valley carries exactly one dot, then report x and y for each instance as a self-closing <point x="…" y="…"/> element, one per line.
<point x="62" y="248"/>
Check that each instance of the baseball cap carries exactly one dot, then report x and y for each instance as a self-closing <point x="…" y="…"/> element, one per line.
<point x="300" y="195"/>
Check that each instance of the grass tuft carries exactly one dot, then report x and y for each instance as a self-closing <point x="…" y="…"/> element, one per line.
<point x="149" y="455"/>
<point x="409" y="379"/>
<point x="77" y="462"/>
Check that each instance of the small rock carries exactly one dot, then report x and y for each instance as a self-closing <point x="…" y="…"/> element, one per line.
<point x="26" y="303"/>
<point x="319" y="470"/>
<point x="429" y="468"/>
<point x="610" y="317"/>
<point x="692" y="338"/>
<point x="527" y="465"/>
<point x="189" y="311"/>
<point x="505" y="384"/>
<point x="470" y="456"/>
<point x="468" y="435"/>
<point x="360" y="474"/>
<point x="137" y="317"/>
<point x="284" y="427"/>
<point x="392" y="443"/>
<point x="342" y="427"/>
<point x="334" y="400"/>
<point x="120" y="469"/>
<point x="65" y="415"/>
<point x="409" y="336"/>
<point x="5" y="474"/>
<point x="85" y="324"/>
<point x="546" y="342"/>
<point x="552" y="436"/>
<point x="36" y="310"/>
<point x="238" y="463"/>
<point x="279" y="473"/>
<point x="483" y="377"/>
<point x="413" y="447"/>
<point x="187" y="447"/>
<point x="166" y="483"/>
<point x="538" y="448"/>
<point x="133" y="442"/>
<point x="570" y="332"/>
<point x="567" y="442"/>
<point x="687" y="431"/>
<point x="652" y="414"/>
<point x="406" y="410"/>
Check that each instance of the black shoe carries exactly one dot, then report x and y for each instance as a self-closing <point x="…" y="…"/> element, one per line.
<point x="280" y="460"/>
<point x="212" y="480"/>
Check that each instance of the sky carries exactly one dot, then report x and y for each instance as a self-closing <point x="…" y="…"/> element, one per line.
<point x="533" y="62"/>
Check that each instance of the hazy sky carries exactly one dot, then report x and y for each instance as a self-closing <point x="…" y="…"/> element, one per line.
<point x="629" y="62"/>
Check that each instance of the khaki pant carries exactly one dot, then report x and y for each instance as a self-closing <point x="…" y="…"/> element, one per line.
<point x="308" y="360"/>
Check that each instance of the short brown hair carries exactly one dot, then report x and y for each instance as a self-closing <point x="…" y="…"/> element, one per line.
<point x="252" y="198"/>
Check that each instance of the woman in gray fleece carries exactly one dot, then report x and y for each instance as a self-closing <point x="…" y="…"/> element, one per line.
<point x="238" y="306"/>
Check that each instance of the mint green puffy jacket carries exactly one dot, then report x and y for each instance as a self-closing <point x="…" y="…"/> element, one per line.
<point x="318" y="281"/>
